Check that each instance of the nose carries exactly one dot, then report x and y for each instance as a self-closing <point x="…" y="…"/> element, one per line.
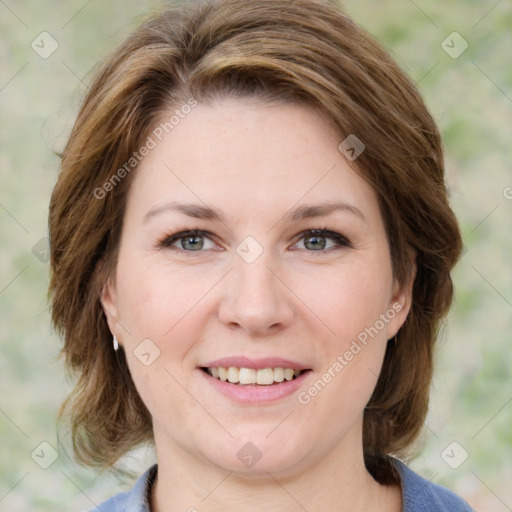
<point x="256" y="299"/>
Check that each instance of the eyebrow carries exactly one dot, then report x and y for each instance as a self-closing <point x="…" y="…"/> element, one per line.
<point x="192" y="210"/>
<point x="300" y="213"/>
<point x="319" y="210"/>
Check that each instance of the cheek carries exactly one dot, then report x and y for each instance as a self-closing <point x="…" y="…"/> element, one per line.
<point x="351" y="306"/>
<point x="163" y="306"/>
<point x="354" y="341"/>
<point x="348" y="299"/>
<point x="154" y="299"/>
<point x="162" y="310"/>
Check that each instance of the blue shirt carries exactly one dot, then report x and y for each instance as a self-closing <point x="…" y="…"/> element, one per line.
<point x="418" y="495"/>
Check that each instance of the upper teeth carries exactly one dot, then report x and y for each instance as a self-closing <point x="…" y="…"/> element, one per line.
<point x="264" y="376"/>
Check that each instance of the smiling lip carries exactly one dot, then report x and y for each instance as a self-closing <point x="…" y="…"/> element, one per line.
<point x="256" y="364"/>
<point x="255" y="394"/>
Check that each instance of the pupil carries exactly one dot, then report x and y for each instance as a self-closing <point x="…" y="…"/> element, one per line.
<point x="190" y="240"/>
<point x="316" y="243"/>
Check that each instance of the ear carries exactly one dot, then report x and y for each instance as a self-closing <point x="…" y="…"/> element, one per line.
<point x="401" y="300"/>
<point x="108" y="299"/>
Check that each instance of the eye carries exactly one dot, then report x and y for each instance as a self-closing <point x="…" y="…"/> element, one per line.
<point x="192" y="240"/>
<point x="316" y="240"/>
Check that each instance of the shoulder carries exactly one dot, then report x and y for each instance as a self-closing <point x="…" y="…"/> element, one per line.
<point x="134" y="500"/>
<point x="117" y="503"/>
<point x="420" y="495"/>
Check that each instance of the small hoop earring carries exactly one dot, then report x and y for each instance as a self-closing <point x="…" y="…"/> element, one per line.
<point x="116" y="344"/>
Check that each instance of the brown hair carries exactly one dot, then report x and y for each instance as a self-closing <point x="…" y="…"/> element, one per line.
<point x="303" y="52"/>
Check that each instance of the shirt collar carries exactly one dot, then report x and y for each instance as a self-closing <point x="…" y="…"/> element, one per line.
<point x="413" y="487"/>
<point x="139" y="498"/>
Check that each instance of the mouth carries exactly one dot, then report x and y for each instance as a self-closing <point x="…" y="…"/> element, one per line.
<point x="241" y="376"/>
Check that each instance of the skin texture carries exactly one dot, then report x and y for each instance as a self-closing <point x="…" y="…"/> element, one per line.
<point x="255" y="162"/>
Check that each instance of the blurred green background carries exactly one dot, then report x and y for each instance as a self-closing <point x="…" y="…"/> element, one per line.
<point x="470" y="95"/>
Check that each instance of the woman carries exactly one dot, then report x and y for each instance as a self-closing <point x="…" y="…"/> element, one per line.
<point x="251" y="248"/>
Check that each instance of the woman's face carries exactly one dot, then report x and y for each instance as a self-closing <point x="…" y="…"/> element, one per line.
<point x="253" y="289"/>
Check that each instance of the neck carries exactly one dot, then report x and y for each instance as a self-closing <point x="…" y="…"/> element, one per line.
<point x="337" y="481"/>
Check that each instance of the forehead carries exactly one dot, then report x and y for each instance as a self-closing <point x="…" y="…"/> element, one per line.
<point x="244" y="155"/>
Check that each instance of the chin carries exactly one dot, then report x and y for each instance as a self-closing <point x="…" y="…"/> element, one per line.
<point x="256" y="456"/>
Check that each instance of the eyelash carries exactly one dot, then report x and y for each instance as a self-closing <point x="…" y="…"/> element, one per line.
<point x="342" y="241"/>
